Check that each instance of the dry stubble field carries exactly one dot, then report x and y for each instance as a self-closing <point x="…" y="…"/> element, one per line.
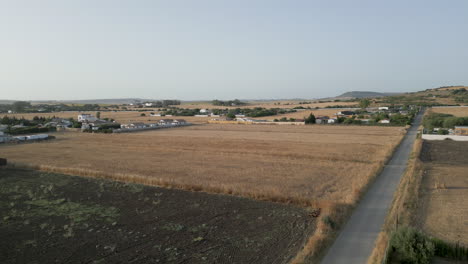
<point x="443" y="197"/>
<point x="456" y="111"/>
<point x="306" y="163"/>
<point x="268" y="104"/>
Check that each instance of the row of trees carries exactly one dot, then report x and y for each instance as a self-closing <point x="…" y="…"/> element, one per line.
<point x="235" y="102"/>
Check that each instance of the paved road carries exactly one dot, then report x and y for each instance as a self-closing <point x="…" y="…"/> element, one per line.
<point x="356" y="241"/>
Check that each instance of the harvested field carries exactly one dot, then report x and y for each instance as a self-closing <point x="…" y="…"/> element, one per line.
<point x="304" y="114"/>
<point x="288" y="164"/>
<point x="53" y="218"/>
<point x="443" y="197"/>
<point x="268" y="104"/>
<point x="456" y="111"/>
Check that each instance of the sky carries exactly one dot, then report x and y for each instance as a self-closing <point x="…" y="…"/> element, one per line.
<point x="220" y="49"/>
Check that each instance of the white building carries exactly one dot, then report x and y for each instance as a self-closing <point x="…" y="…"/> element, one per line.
<point x="384" y="121"/>
<point x="383" y="108"/>
<point x="86" y="118"/>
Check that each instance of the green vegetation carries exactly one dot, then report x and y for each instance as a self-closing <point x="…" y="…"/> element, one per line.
<point x="26" y="107"/>
<point x="438" y="120"/>
<point x="235" y="102"/>
<point x="412" y="246"/>
<point x="450" y="250"/>
<point x="310" y="119"/>
<point x="364" y="103"/>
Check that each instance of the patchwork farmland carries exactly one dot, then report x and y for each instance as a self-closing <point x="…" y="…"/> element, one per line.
<point x="444" y="188"/>
<point x="278" y="163"/>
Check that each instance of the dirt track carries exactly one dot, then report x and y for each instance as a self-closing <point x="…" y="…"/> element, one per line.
<point x="51" y="218"/>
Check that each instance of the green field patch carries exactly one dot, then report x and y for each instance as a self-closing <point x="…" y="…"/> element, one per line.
<point x="77" y="211"/>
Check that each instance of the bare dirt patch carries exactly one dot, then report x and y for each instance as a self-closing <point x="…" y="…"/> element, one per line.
<point x="52" y="218"/>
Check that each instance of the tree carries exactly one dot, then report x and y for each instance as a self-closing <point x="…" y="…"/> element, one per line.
<point x="20" y="106"/>
<point x="310" y="119"/>
<point x="231" y="115"/>
<point x="98" y="115"/>
<point x="364" y="103"/>
<point x="412" y="246"/>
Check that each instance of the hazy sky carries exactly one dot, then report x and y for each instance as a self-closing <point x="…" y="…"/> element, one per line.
<point x="197" y="49"/>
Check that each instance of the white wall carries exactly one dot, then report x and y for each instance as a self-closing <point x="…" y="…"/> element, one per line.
<point x="442" y="137"/>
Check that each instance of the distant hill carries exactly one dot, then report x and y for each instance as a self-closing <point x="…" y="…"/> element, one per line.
<point x="445" y="95"/>
<point x="365" y="94"/>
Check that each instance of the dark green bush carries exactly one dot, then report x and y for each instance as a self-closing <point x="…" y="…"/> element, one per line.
<point x="412" y="246"/>
<point x="450" y="250"/>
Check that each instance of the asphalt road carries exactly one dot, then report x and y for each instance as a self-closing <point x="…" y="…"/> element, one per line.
<point x="356" y="241"/>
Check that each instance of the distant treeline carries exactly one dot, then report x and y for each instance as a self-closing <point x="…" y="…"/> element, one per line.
<point x="26" y="107"/>
<point x="235" y="102"/>
<point x="164" y="103"/>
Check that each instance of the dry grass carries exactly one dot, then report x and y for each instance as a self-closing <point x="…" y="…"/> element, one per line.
<point x="456" y="111"/>
<point x="282" y="163"/>
<point x="444" y="203"/>
<point x="443" y="196"/>
<point x="304" y="114"/>
<point x="403" y="206"/>
<point x="267" y="104"/>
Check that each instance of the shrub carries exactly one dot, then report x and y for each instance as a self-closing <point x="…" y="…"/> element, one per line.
<point x="412" y="246"/>
<point x="450" y="250"/>
<point x="443" y="132"/>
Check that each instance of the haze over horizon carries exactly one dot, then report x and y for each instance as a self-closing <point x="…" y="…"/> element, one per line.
<point x="207" y="49"/>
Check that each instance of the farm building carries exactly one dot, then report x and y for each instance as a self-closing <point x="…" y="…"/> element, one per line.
<point x="332" y="121"/>
<point x="322" y="119"/>
<point x="384" y="121"/>
<point x="383" y="108"/>
<point x="165" y="122"/>
<point x="94" y="125"/>
<point x="133" y="125"/>
<point x="86" y="118"/>
<point x="345" y="113"/>
<point x="178" y="122"/>
<point x="461" y="130"/>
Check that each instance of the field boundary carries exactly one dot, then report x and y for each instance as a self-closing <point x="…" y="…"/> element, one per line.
<point x="333" y="219"/>
<point x="404" y="201"/>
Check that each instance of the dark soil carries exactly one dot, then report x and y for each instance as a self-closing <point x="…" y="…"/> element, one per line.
<point x="445" y="152"/>
<point x="53" y="218"/>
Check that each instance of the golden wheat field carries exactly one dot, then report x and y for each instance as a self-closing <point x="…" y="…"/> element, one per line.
<point x="304" y="114"/>
<point x="456" y="111"/>
<point x="309" y="163"/>
<point x="267" y="104"/>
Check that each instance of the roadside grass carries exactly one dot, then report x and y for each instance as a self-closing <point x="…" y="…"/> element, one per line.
<point x="403" y="205"/>
<point x="404" y="214"/>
